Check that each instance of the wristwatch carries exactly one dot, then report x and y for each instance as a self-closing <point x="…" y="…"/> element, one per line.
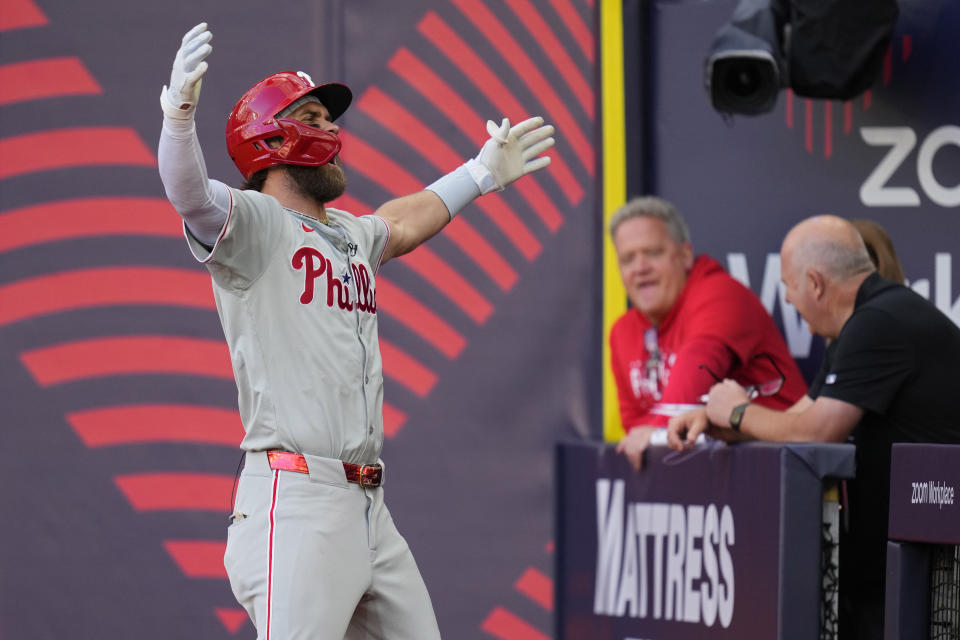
<point x="736" y="416"/>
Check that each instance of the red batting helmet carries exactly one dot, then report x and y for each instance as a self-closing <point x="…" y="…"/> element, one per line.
<point x="253" y="120"/>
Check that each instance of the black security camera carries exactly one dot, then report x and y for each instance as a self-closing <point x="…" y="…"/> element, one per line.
<point x="745" y="67"/>
<point x="829" y="49"/>
<point x="747" y="83"/>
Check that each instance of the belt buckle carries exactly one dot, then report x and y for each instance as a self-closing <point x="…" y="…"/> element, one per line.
<point x="374" y="479"/>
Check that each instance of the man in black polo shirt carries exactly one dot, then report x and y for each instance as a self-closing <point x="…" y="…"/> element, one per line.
<point x="889" y="377"/>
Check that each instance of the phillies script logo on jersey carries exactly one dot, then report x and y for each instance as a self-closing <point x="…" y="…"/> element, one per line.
<point x="314" y="264"/>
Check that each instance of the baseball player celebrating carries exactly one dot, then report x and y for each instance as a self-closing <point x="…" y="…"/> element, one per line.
<point x="312" y="551"/>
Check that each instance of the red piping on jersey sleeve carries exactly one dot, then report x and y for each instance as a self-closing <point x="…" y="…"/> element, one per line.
<point x="385" y="243"/>
<point x="223" y="230"/>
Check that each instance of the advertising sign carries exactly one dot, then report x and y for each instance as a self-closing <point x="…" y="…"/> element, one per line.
<point x="709" y="543"/>
<point x="924" y="504"/>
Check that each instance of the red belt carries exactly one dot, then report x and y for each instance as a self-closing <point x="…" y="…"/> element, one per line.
<point x="366" y="475"/>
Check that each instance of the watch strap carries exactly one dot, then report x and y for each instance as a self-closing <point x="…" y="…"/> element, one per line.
<point x="736" y="416"/>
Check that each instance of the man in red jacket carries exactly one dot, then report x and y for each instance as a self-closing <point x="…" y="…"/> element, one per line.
<point x="690" y="325"/>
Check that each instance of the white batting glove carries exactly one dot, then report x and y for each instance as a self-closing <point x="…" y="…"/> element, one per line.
<point x="510" y="153"/>
<point x="179" y="100"/>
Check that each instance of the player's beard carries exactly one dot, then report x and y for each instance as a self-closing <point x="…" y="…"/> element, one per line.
<point x="322" y="184"/>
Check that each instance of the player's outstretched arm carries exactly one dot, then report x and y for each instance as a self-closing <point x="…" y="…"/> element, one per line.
<point x="511" y="153"/>
<point x="202" y="204"/>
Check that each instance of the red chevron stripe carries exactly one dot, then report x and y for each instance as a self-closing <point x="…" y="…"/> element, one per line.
<point x="82" y="146"/>
<point x="537" y="586"/>
<point x="166" y="491"/>
<point x="87" y="217"/>
<point x="104" y="286"/>
<point x="506" y="625"/>
<point x="406" y="126"/>
<point x="393" y="419"/>
<point x="440" y="94"/>
<point x="471" y="125"/>
<point x="231" y="618"/>
<point x="198" y="558"/>
<point x="52" y="77"/>
<point x="406" y="370"/>
<point x="533" y="193"/>
<point x="366" y="160"/>
<point x="486" y="81"/>
<point x="543" y="34"/>
<point x="500" y="213"/>
<point x="419" y="319"/>
<point x="437" y="272"/>
<point x="17" y="14"/>
<point x="99" y="357"/>
<point x="514" y="55"/>
<point x="469" y="239"/>
<point x="143" y="423"/>
<point x="582" y="34"/>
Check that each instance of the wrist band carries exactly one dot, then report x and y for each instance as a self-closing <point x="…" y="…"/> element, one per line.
<point x="457" y="189"/>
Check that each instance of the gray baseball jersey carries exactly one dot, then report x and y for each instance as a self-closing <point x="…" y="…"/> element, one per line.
<point x="298" y="306"/>
<point x="310" y="555"/>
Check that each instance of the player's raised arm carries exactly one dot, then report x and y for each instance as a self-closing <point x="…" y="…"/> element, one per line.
<point x="509" y="154"/>
<point x="202" y="204"/>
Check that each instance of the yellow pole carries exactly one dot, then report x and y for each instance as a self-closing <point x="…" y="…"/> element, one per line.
<point x="614" y="193"/>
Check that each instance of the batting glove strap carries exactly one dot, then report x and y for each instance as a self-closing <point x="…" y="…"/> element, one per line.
<point x="481" y="176"/>
<point x="175" y="111"/>
<point x="457" y="189"/>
